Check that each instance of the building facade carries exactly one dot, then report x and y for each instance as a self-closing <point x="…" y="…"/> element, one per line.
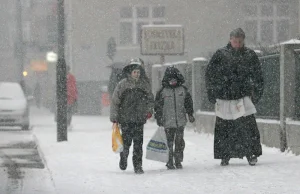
<point x="8" y="65"/>
<point x="90" y="24"/>
<point x="206" y="25"/>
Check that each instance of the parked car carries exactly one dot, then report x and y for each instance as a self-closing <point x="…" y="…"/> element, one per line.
<point x="14" y="109"/>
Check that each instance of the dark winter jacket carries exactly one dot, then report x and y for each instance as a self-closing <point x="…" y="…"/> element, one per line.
<point x="172" y="103"/>
<point x="131" y="102"/>
<point x="232" y="75"/>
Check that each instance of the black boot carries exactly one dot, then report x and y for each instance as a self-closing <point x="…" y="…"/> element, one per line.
<point x="225" y="162"/>
<point x="170" y="165"/>
<point x="139" y="170"/>
<point x="123" y="162"/>
<point x="178" y="165"/>
<point x="252" y="160"/>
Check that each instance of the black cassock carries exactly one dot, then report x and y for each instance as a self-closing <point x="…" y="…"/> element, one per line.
<point x="232" y="75"/>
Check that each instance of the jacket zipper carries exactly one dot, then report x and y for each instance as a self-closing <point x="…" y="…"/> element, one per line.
<point x="135" y="106"/>
<point x="175" y="107"/>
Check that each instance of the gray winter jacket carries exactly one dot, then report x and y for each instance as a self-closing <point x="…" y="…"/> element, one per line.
<point x="131" y="102"/>
<point x="173" y="103"/>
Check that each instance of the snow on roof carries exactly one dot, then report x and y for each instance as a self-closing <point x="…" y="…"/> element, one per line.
<point x="156" y="65"/>
<point x="199" y="59"/>
<point x="162" y="25"/>
<point x="292" y="122"/>
<point x="168" y="64"/>
<point x="179" y="62"/>
<point x="292" y="41"/>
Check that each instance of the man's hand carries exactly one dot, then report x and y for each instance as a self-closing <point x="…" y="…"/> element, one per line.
<point x="149" y="115"/>
<point x="191" y="118"/>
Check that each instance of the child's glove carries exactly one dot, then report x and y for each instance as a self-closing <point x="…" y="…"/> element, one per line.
<point x="191" y="118"/>
<point x="149" y="115"/>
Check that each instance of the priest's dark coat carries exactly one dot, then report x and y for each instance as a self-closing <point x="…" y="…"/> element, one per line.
<point x="230" y="75"/>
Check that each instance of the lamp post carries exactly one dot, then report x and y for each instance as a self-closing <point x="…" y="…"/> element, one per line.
<point x="19" y="44"/>
<point x="61" y="77"/>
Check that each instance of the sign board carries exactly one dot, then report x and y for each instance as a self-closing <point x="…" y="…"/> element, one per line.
<point x="162" y="40"/>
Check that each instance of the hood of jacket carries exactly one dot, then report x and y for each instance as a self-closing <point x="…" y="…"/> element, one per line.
<point x="172" y="73"/>
<point x="129" y="68"/>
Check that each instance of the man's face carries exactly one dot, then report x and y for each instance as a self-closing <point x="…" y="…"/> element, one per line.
<point x="135" y="74"/>
<point x="237" y="42"/>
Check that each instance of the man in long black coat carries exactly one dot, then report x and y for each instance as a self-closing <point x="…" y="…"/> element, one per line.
<point x="233" y="73"/>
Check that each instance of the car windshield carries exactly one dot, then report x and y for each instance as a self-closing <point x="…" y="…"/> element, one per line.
<point x="11" y="91"/>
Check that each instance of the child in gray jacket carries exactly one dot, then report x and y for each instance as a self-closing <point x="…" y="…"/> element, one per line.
<point x="173" y="103"/>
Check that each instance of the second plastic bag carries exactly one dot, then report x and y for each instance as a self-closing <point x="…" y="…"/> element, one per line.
<point x="157" y="148"/>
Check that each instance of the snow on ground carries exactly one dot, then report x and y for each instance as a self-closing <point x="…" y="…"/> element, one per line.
<point x="86" y="164"/>
<point x="9" y="136"/>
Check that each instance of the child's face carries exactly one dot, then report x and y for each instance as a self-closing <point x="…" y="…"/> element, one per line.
<point x="135" y="74"/>
<point x="173" y="82"/>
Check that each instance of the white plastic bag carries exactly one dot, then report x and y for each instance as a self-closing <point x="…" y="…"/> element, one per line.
<point x="157" y="148"/>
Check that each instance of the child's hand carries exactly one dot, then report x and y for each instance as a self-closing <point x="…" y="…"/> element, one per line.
<point x="191" y="118"/>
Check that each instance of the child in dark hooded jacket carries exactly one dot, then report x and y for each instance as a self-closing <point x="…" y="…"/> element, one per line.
<point x="173" y="103"/>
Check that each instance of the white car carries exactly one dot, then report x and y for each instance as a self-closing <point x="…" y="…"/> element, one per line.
<point x="14" y="109"/>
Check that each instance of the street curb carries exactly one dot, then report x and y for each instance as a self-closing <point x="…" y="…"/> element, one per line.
<point x="41" y="153"/>
<point x="38" y="147"/>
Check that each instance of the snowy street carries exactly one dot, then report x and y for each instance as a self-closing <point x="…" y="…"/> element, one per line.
<point x="218" y="78"/>
<point x="86" y="164"/>
<point x="21" y="167"/>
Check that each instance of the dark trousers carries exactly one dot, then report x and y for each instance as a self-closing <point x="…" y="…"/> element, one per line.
<point x="69" y="114"/>
<point x="175" y="134"/>
<point x="135" y="133"/>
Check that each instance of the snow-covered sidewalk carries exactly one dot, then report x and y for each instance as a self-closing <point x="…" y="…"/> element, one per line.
<point x="86" y="164"/>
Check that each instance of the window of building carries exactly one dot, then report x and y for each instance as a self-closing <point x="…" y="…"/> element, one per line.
<point x="126" y="12"/>
<point x="267" y="23"/>
<point x="126" y="33"/>
<point x="283" y="33"/>
<point x="142" y="12"/>
<point x="158" y="12"/>
<point x="251" y="30"/>
<point x="26" y="3"/>
<point x="251" y="10"/>
<point x="133" y="18"/>
<point x="283" y="10"/>
<point x="267" y="10"/>
<point x="267" y="32"/>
